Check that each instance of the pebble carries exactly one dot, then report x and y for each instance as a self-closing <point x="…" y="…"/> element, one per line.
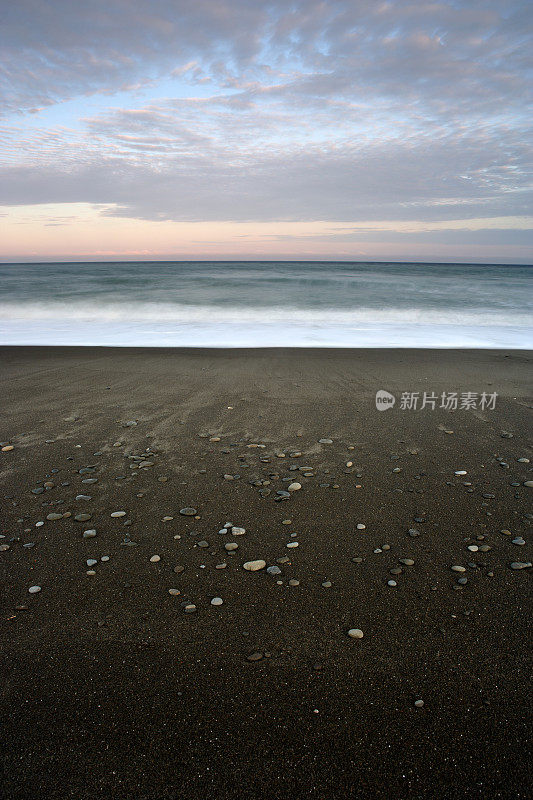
<point x="325" y="441"/>
<point x="523" y="460"/>
<point x="294" y="582"/>
<point x="34" y="589"/>
<point x="174" y="592"/>
<point x="254" y="657"/>
<point x="91" y="562"/>
<point x="360" y="526"/>
<point x="407" y="561"/>
<point x="203" y="543"/>
<point x="105" y="558"/>
<point x="419" y="703"/>
<point x="274" y="570"/>
<point x="457" y="568"/>
<point x="54" y="516"/>
<point x="391" y="583"/>
<point x="292" y="544"/>
<point x="460" y="472"/>
<point x="178" y="569"/>
<point x="519" y="540"/>
<point x="327" y="584"/>
<point x="7" y="448"/>
<point x="155" y="559"/>
<point x="520" y="564"/>
<point x="82" y="517"/>
<point x="254" y="566"/>
<point x="223" y="565"/>
<point x="529" y="484"/>
<point x="238" y="531"/>
<point x="188" y="511"/>
<point x="294" y="487"/>
<point x="216" y="601"/>
<point x="116" y="514"/>
<point x="90" y="572"/>
<point x="230" y="546"/>
<point x="190" y="608"/>
<point x="355" y="633"/>
<point x="473" y="548"/>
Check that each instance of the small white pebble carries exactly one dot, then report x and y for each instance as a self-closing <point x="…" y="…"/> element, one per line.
<point x="355" y="633"/>
<point x="419" y="703"/>
<point x="216" y="601"/>
<point x="34" y="589"/>
<point x="155" y="559"/>
<point x="360" y="526"/>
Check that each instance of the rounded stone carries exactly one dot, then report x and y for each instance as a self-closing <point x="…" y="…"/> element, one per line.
<point x="178" y="569"/>
<point x="274" y="570"/>
<point x="457" y="568"/>
<point x="188" y="511"/>
<point x="82" y="517"/>
<point x="217" y="601"/>
<point x="360" y="526"/>
<point x="519" y="540"/>
<point x="254" y="657"/>
<point x="355" y="633"/>
<point x="254" y="566"/>
<point x="91" y="562"/>
<point x="391" y="583"/>
<point x="294" y="487"/>
<point x="294" y="582"/>
<point x="407" y="561"/>
<point x="116" y="514"/>
<point x="419" y="703"/>
<point x="230" y="546"/>
<point x="34" y="589"/>
<point x="174" y="592"/>
<point x="190" y="608"/>
<point x="238" y="531"/>
<point x="292" y="544"/>
<point x="155" y="559"/>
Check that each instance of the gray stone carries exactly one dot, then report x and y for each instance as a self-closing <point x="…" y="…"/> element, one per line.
<point x="254" y="566"/>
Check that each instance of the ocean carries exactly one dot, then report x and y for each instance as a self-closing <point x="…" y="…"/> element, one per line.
<point x="266" y="304"/>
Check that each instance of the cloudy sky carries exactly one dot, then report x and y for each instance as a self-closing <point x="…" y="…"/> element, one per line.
<point x="352" y="129"/>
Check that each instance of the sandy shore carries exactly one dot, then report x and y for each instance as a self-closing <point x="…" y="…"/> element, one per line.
<point x="110" y="689"/>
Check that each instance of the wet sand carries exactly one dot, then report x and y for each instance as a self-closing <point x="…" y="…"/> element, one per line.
<point x="110" y="688"/>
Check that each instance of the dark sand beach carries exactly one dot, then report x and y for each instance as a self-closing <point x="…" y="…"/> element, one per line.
<point x="111" y="689"/>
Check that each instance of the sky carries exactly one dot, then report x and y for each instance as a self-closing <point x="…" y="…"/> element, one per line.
<point x="238" y="129"/>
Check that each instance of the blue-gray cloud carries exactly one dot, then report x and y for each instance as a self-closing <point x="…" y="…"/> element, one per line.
<point x="307" y="110"/>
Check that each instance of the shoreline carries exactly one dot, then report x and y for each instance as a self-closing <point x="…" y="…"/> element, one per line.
<point x="112" y="689"/>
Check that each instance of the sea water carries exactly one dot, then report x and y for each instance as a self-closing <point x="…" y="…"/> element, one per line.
<point x="266" y="304"/>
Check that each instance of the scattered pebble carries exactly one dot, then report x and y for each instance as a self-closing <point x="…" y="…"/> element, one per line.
<point x="216" y="601"/>
<point x="34" y="589"/>
<point x="355" y="633"/>
<point x="155" y="559"/>
<point x="118" y="514"/>
<point x="254" y="566"/>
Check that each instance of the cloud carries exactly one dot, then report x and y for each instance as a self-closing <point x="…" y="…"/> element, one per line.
<point x="253" y="110"/>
